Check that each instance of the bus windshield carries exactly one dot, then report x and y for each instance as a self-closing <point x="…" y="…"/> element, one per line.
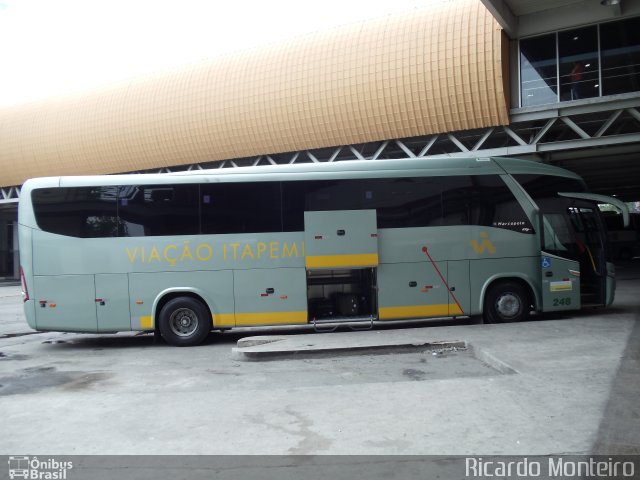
<point x="570" y="229"/>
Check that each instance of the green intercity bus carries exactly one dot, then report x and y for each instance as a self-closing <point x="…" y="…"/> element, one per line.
<point x="185" y="253"/>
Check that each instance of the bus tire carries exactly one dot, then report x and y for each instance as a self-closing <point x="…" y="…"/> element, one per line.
<point x="184" y="322"/>
<point x="506" y="302"/>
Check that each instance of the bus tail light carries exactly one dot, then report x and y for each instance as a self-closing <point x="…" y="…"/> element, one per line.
<point x="25" y="291"/>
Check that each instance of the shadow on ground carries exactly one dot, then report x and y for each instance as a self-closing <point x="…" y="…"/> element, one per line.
<point x="619" y="430"/>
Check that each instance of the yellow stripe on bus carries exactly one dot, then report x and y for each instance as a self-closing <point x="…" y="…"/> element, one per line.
<point x="271" y="318"/>
<point x="218" y="320"/>
<point x="301" y="317"/>
<point x="418" y="311"/>
<point x="224" y="320"/>
<point x="146" y="323"/>
<point x="330" y="261"/>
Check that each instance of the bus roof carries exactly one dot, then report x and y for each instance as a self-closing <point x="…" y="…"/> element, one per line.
<point x="320" y="171"/>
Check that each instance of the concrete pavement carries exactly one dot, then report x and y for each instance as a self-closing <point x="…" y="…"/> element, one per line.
<point x="565" y="384"/>
<point x="573" y="344"/>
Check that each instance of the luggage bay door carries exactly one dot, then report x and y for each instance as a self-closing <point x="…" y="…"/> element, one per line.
<point x="341" y="239"/>
<point x="341" y="260"/>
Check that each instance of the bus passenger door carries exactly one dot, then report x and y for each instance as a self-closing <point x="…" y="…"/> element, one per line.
<point x="560" y="283"/>
<point x="65" y="302"/>
<point x="560" y="272"/>
<point x="112" y="302"/>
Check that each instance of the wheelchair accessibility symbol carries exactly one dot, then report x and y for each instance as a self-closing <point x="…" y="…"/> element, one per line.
<point x="546" y="262"/>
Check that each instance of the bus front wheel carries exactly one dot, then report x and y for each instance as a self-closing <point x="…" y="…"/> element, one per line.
<point x="184" y="322"/>
<point x="506" y="302"/>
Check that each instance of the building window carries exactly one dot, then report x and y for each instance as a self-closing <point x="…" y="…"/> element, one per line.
<point x="580" y="63"/>
<point x="578" y="53"/>
<point x="620" y="56"/>
<point x="538" y="70"/>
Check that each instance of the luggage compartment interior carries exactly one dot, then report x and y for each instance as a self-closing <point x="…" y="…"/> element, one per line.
<point x="341" y="294"/>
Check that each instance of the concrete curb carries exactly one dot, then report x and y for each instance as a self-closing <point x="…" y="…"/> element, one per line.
<point x="247" y="350"/>
<point x="255" y="341"/>
<point x="491" y="361"/>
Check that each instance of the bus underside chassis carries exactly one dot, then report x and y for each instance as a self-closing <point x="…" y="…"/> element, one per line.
<point x="342" y="296"/>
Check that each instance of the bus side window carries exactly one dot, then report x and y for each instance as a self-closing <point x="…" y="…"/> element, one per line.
<point x="85" y="212"/>
<point x="241" y="207"/>
<point x="153" y="210"/>
<point x="404" y="202"/>
<point x="483" y="200"/>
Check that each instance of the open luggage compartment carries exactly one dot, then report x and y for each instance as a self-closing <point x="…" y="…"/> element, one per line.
<point x="342" y="295"/>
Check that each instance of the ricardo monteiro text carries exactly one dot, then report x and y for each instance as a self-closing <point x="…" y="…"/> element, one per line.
<point x="557" y="467"/>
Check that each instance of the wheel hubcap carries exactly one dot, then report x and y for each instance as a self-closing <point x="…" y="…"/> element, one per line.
<point x="183" y="322"/>
<point x="508" y="305"/>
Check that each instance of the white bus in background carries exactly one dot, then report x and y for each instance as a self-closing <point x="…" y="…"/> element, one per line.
<point x="624" y="242"/>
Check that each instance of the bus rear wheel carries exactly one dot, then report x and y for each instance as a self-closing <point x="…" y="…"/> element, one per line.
<point x="184" y="322"/>
<point x="506" y="302"/>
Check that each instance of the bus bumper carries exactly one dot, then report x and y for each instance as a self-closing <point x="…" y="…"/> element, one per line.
<point x="611" y="284"/>
<point x="30" y="313"/>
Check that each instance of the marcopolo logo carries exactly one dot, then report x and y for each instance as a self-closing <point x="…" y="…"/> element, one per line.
<point x="40" y="469"/>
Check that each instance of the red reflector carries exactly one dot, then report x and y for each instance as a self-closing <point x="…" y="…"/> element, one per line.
<point x="284" y="297"/>
<point x="318" y="237"/>
<point x="264" y="294"/>
<point x="25" y="292"/>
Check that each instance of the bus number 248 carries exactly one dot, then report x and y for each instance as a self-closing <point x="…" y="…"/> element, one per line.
<point x="557" y="302"/>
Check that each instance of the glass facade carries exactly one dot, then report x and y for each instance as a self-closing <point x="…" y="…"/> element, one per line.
<point x="578" y="63"/>
<point x="620" y="52"/>
<point x="585" y="62"/>
<point x="538" y="70"/>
